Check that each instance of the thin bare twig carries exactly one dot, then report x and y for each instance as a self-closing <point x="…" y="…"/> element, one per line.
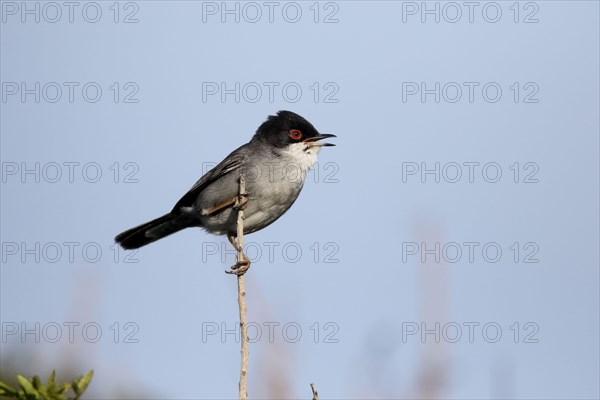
<point x="242" y="296"/>
<point x="314" y="390"/>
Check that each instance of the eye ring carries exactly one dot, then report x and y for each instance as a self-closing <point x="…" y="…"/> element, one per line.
<point x="296" y="134"/>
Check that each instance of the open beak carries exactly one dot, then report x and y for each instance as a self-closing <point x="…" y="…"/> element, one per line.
<point x="312" y="141"/>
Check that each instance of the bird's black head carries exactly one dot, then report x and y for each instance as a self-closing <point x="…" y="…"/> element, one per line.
<point x="287" y="128"/>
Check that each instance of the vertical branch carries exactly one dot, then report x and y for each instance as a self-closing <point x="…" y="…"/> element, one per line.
<point x="242" y="296"/>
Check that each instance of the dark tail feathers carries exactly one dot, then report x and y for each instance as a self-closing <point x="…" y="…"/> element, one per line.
<point x="151" y="231"/>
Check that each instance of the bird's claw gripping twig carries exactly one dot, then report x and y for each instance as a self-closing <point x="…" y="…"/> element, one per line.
<point x="241" y="201"/>
<point x="240" y="267"/>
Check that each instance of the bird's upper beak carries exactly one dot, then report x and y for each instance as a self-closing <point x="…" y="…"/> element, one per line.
<point x="312" y="141"/>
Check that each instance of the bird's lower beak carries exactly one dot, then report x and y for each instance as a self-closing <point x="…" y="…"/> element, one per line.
<point x="312" y="141"/>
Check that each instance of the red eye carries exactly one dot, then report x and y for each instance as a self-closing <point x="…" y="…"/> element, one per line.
<point x="296" y="134"/>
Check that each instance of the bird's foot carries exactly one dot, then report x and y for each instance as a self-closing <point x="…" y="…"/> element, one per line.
<point x="241" y="201"/>
<point x="240" y="267"/>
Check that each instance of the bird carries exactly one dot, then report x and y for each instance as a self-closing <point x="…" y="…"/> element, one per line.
<point x="274" y="164"/>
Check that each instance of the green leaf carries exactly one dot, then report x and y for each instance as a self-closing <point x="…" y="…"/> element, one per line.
<point x="27" y="387"/>
<point x="7" y="390"/>
<point x="44" y="392"/>
<point x="79" y="385"/>
<point x="34" y="389"/>
<point x="51" y="378"/>
<point x="63" y="388"/>
<point x="37" y="383"/>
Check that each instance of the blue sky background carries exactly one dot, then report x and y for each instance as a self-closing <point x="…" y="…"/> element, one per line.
<point x="346" y="277"/>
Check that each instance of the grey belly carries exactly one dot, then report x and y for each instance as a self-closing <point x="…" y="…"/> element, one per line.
<point x="268" y="199"/>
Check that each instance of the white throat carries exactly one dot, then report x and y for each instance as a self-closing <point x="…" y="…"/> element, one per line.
<point x="301" y="154"/>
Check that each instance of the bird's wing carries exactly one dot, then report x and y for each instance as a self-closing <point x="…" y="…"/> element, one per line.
<point x="230" y="163"/>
